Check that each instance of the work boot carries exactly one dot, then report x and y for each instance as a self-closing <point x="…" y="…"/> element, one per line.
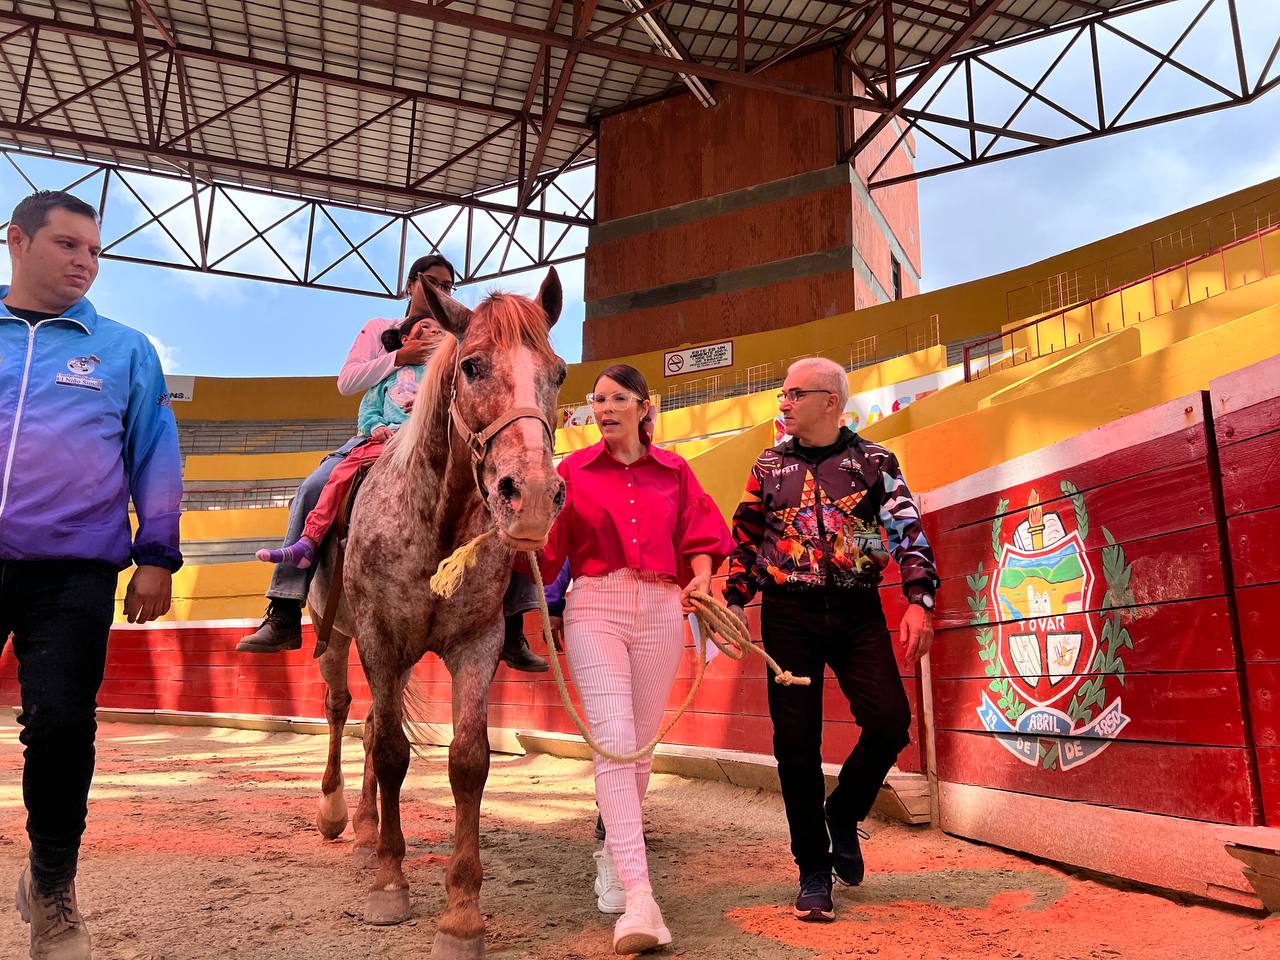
<point x="58" y="932"/>
<point x="515" y="650"/>
<point x="280" y="630"/>
<point x="846" y="851"/>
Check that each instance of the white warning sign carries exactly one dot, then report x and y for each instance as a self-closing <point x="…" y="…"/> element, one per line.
<point x="709" y="357"/>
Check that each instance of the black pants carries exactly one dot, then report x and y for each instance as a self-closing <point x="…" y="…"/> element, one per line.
<point x="804" y="633"/>
<point x="59" y="612"/>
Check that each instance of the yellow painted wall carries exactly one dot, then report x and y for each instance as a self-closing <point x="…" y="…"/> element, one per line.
<point x="964" y="310"/>
<point x="954" y="448"/>
<point x="251" y="466"/>
<point x="1240" y="267"/>
<point x="267" y="398"/>
<point x="738" y="413"/>
<point x="211" y="592"/>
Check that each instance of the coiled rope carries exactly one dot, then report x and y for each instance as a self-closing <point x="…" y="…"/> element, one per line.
<point x="715" y="621"/>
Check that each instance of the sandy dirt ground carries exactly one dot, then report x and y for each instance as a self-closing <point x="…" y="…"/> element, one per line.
<point x="200" y="845"/>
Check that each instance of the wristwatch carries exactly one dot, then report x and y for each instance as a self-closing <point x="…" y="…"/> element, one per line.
<point x="923" y="600"/>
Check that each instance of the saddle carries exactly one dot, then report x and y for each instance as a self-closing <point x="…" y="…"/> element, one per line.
<point x="341" y="527"/>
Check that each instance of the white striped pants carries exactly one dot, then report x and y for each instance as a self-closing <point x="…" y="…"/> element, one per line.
<point x="624" y="636"/>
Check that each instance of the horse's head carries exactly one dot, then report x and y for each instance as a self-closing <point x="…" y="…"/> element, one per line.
<point x="506" y="381"/>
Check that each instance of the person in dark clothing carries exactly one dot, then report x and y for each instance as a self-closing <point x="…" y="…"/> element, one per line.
<point x="808" y="535"/>
<point x="88" y="429"/>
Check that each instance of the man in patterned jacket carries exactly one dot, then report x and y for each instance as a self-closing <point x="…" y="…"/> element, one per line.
<point x="808" y="533"/>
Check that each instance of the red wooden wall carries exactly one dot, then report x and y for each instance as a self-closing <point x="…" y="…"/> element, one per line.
<point x="196" y="669"/>
<point x="1134" y="506"/>
<point x="1246" y="408"/>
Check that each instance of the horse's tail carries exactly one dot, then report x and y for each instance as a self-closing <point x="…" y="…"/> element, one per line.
<point x="422" y="733"/>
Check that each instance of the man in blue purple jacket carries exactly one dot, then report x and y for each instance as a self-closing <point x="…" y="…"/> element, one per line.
<point x="85" y="427"/>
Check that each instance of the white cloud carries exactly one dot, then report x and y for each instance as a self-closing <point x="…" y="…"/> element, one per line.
<point x="168" y="354"/>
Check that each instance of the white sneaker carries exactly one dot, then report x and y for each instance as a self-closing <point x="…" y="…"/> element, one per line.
<point x="641" y="928"/>
<point x="611" y="896"/>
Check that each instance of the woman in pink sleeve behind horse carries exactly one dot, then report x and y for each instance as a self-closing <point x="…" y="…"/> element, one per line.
<point x="640" y="536"/>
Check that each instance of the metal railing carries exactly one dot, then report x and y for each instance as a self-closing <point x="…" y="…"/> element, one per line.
<point x="1002" y="349"/>
<point x="262" y="436"/>
<point x="759" y="377"/>
<point x="1189" y="242"/>
<point x="239" y="498"/>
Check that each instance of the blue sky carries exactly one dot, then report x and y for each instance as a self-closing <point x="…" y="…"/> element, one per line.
<point x="973" y="223"/>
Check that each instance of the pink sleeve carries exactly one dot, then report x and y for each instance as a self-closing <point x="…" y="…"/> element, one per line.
<point x="551" y="557"/>
<point x="368" y="363"/>
<point x="699" y="527"/>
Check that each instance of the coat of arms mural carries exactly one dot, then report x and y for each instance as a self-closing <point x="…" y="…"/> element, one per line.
<point x="1050" y="635"/>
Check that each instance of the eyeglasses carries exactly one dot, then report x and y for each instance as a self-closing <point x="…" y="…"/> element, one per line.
<point x="795" y="393"/>
<point x="444" y="286"/>
<point x="617" y="401"/>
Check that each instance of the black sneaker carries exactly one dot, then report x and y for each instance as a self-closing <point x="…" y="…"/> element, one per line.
<point x="814" y="901"/>
<point x="281" y="629"/>
<point x="846" y="852"/>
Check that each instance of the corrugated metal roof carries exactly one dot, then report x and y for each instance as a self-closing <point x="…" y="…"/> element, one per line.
<point x="381" y="104"/>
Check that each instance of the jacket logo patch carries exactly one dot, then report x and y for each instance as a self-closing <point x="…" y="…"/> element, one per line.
<point x="74" y="380"/>
<point x="81" y="368"/>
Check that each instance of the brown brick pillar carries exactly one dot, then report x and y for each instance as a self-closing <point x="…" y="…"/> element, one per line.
<point x="736" y="219"/>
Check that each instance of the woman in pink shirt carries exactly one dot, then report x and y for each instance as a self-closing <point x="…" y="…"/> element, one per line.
<point x="640" y="535"/>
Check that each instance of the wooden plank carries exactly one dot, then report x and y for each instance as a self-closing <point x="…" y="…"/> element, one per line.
<point x="1148" y="474"/>
<point x="1108" y="443"/>
<point x="1172" y="853"/>
<point x="1255" y="547"/>
<point x="1269" y="783"/>
<point x="1263" y="683"/>
<point x="1200" y="783"/>
<point x="1177" y="708"/>
<point x="1188" y="635"/>
<point x="1251" y="473"/>
<point x="1186" y="565"/>
<point x="1246" y="402"/>
<point x="1259" y="609"/>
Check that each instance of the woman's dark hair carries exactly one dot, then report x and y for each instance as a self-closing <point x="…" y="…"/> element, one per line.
<point x="423" y="264"/>
<point x="629" y="378"/>
<point x="393" y="337"/>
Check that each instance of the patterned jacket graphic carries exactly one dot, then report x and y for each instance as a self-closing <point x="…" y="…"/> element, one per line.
<point x="810" y="526"/>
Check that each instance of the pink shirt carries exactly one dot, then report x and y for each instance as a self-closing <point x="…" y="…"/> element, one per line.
<point x="649" y="515"/>
<point x="368" y="362"/>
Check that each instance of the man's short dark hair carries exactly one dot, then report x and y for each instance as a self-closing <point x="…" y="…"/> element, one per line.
<point x="32" y="213"/>
<point x="423" y="264"/>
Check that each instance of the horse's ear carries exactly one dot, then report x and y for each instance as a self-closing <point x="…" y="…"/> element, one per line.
<point x="551" y="297"/>
<point x="451" y="314"/>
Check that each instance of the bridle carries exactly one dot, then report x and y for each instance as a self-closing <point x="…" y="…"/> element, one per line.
<point x="478" y="443"/>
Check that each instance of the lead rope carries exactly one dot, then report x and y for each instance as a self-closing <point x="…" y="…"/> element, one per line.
<point x="715" y="621"/>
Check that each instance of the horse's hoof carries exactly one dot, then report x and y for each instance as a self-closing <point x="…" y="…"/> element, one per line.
<point x="364" y="857"/>
<point x="448" y="947"/>
<point x="386" y="907"/>
<point x="330" y="829"/>
<point x="331" y="819"/>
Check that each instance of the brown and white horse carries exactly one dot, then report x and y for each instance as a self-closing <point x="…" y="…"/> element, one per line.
<point x="476" y="452"/>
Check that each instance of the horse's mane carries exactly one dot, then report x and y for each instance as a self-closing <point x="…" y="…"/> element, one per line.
<point x="510" y="321"/>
